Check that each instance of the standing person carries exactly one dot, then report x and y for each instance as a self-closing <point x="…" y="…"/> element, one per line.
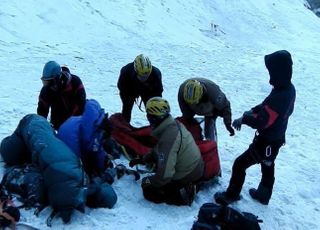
<point x="176" y="156"/>
<point x="62" y="92"/>
<point x="203" y="97"/>
<point x="270" y="118"/>
<point x="138" y="79"/>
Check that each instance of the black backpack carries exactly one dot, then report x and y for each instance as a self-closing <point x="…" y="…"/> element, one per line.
<point x="213" y="216"/>
<point x="26" y="183"/>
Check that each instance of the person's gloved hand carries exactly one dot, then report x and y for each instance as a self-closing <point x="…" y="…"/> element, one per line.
<point x="109" y="175"/>
<point x="237" y="123"/>
<point x="230" y="129"/>
<point x="145" y="182"/>
<point x="248" y="113"/>
<point x="136" y="161"/>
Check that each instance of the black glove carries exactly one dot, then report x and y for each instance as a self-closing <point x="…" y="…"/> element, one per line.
<point x="136" y="162"/>
<point x="230" y="129"/>
<point x="237" y="123"/>
<point x="248" y="113"/>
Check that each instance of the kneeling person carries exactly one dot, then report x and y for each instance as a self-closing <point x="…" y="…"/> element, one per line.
<point x="176" y="156"/>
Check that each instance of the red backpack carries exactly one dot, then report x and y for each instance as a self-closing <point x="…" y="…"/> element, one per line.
<point x="208" y="149"/>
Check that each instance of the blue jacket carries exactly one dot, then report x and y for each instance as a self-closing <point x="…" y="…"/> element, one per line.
<point x="270" y="118"/>
<point x="84" y="136"/>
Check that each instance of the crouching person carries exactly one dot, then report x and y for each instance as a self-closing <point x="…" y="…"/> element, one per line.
<point x="87" y="136"/>
<point x="176" y="156"/>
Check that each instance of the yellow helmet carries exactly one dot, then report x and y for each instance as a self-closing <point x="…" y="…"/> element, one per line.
<point x="192" y="92"/>
<point x="142" y="66"/>
<point x="157" y="106"/>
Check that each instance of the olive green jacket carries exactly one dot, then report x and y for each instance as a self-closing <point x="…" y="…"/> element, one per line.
<point x="176" y="155"/>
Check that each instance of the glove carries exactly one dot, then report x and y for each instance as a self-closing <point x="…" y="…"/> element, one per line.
<point x="145" y="182"/>
<point x="230" y="129"/>
<point x="248" y="113"/>
<point x="237" y="123"/>
<point x="136" y="162"/>
<point x="109" y="175"/>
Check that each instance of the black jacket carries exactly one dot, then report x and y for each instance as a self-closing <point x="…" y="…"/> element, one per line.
<point x="270" y="118"/>
<point x="131" y="87"/>
<point x="67" y="101"/>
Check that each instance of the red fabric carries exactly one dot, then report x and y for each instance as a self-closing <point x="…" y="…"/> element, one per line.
<point x="193" y="127"/>
<point x="137" y="141"/>
<point x="210" y="157"/>
<point x="273" y="115"/>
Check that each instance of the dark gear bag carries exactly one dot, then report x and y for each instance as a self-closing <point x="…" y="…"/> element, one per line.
<point x="226" y="218"/>
<point x="26" y="182"/>
<point x="9" y="214"/>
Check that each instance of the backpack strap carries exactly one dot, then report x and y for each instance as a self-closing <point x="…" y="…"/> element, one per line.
<point x="178" y="125"/>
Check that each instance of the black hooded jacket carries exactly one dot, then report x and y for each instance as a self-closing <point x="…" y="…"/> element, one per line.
<point x="270" y="118"/>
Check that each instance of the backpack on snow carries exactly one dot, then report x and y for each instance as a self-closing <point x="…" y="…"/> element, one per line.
<point x="213" y="216"/>
<point x="26" y="183"/>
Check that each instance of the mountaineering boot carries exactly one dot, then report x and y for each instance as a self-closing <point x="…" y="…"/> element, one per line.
<point x="224" y="198"/>
<point x="188" y="193"/>
<point x="262" y="194"/>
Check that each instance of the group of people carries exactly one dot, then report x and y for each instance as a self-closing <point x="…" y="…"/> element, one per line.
<point x="84" y="126"/>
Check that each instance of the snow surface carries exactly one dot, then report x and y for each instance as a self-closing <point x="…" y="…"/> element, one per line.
<point x="96" y="38"/>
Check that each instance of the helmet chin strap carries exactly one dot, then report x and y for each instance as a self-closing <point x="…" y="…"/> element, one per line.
<point x="155" y="121"/>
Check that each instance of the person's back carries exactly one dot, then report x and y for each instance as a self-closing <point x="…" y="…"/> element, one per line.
<point x="62" y="92"/>
<point x="183" y="160"/>
<point x="177" y="157"/>
<point x="138" y="79"/>
<point x="200" y="96"/>
<point x="85" y="136"/>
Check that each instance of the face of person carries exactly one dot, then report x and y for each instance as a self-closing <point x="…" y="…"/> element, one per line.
<point x="51" y="83"/>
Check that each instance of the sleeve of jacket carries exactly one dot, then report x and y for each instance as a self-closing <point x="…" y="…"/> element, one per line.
<point x="263" y="115"/>
<point x="185" y="109"/>
<point x="167" y="158"/>
<point x="226" y="113"/>
<point x="80" y="97"/>
<point x="122" y="84"/>
<point x="43" y="103"/>
<point x="159" y="88"/>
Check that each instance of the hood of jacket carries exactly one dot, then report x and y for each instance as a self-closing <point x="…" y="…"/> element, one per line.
<point x="279" y="65"/>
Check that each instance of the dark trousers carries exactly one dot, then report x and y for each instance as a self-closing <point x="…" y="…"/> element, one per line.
<point x="259" y="152"/>
<point x="128" y="102"/>
<point x="127" y="105"/>
<point x="169" y="193"/>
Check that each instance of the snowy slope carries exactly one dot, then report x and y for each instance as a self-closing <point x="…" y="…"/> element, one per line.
<point x="96" y="38"/>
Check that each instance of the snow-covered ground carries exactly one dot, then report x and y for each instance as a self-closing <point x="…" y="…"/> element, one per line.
<point x="95" y="38"/>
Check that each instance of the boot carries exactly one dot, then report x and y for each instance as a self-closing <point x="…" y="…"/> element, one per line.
<point x="188" y="193"/>
<point x="224" y="198"/>
<point x="262" y="194"/>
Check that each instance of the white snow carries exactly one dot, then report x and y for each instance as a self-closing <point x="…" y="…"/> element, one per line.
<point x="95" y="38"/>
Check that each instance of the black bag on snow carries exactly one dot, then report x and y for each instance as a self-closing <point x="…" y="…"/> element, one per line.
<point x="26" y="182"/>
<point x="225" y="217"/>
